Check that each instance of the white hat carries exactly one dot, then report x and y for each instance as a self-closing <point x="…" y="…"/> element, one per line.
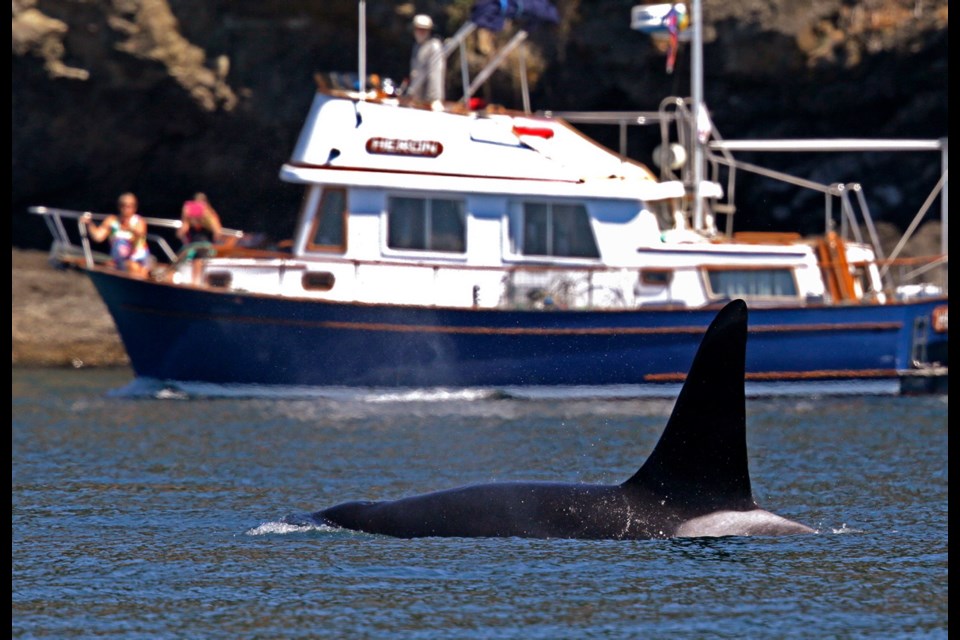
<point x="422" y="21"/>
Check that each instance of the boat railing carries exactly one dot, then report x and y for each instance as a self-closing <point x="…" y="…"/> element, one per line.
<point x="72" y="245"/>
<point x="845" y="201"/>
<point x="623" y="120"/>
<point x="852" y="200"/>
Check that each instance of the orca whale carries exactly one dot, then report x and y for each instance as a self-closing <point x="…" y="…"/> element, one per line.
<point x="695" y="483"/>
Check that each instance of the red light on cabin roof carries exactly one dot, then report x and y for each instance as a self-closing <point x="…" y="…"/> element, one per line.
<point x="526" y="130"/>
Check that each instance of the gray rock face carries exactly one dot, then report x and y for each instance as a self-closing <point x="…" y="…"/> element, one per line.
<point x="167" y="97"/>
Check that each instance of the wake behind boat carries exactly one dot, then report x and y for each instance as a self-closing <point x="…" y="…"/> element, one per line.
<point x="463" y="247"/>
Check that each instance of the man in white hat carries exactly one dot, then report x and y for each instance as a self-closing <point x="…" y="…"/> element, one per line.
<point x="426" y="64"/>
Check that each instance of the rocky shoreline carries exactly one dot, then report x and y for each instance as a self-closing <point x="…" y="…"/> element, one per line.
<point x="168" y="97"/>
<point x="58" y="320"/>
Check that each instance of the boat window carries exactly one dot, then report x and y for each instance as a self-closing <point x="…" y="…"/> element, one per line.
<point x="317" y="280"/>
<point x="550" y="229"/>
<point x="328" y="225"/>
<point x="656" y="277"/>
<point x="426" y="224"/>
<point x="861" y="281"/>
<point x="756" y="283"/>
<point x="221" y="279"/>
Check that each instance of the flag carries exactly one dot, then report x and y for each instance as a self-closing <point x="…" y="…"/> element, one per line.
<point x="491" y="14"/>
<point x="673" y="28"/>
<point x="667" y="23"/>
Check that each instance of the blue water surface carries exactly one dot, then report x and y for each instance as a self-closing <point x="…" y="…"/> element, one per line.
<point x="160" y="518"/>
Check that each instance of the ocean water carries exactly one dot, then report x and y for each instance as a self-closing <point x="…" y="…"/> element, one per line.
<point x="160" y="518"/>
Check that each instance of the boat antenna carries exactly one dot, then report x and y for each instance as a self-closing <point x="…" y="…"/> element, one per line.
<point x="696" y="94"/>
<point x="362" y="48"/>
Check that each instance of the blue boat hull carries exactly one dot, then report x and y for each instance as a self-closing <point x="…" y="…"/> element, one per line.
<point x="191" y="335"/>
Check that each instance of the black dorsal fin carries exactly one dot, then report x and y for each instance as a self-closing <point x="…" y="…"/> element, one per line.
<point x="701" y="458"/>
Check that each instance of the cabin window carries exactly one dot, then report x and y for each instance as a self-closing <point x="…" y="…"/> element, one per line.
<point x="656" y="277"/>
<point x="752" y="283"/>
<point x="221" y="279"/>
<point x="426" y="224"/>
<point x="329" y="223"/>
<point x="317" y="280"/>
<point x="861" y="281"/>
<point x="551" y="229"/>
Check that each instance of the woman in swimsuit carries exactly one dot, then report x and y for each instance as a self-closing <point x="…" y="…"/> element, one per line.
<point x="128" y="236"/>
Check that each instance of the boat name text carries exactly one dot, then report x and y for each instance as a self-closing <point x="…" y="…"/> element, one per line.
<point x="396" y="147"/>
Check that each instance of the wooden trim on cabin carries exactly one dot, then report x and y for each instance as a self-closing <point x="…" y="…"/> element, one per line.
<point x="831" y="249"/>
<point x="767" y="237"/>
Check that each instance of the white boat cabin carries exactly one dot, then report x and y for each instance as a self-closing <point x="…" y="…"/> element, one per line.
<point x="411" y="206"/>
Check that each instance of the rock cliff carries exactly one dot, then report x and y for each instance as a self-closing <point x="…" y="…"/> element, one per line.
<point x="166" y="97"/>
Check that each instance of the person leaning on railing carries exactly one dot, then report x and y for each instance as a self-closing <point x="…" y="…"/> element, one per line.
<point x="199" y="230"/>
<point x="127" y="233"/>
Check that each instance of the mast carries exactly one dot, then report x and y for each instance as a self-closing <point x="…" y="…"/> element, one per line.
<point x="362" y="48"/>
<point x="696" y="94"/>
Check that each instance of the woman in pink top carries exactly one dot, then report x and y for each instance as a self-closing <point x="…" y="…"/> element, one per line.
<point x="199" y="230"/>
